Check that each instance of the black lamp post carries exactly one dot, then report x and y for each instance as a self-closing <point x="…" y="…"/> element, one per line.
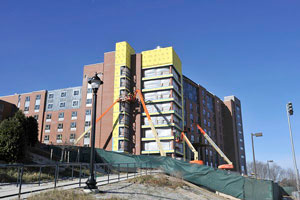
<point x="95" y="81"/>
<point x="254" y="163"/>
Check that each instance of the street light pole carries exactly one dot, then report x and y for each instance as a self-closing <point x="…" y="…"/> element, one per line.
<point x="95" y="81"/>
<point x="289" y="111"/>
<point x="254" y="163"/>
<point x="268" y="161"/>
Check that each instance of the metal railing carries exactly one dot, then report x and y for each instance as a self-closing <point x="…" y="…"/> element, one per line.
<point x="39" y="177"/>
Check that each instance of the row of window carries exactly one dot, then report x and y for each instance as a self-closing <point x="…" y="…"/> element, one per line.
<point x="36" y="107"/>
<point x="72" y="125"/>
<point x="62" y="114"/>
<point x="75" y="103"/>
<point x="37" y="97"/>
<point x="64" y="94"/>
<point x="59" y="137"/>
<point x="160" y="72"/>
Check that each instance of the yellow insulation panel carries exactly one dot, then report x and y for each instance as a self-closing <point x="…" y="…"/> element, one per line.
<point x="123" y="54"/>
<point x="161" y="57"/>
<point x="122" y="58"/>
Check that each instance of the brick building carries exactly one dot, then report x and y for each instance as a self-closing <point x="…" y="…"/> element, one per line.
<point x="7" y="110"/>
<point x="174" y="102"/>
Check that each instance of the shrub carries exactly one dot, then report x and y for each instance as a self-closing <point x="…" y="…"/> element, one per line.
<point x="15" y="134"/>
<point x="12" y="139"/>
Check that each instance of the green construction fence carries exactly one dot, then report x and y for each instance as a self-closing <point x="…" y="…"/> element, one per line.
<point x="223" y="181"/>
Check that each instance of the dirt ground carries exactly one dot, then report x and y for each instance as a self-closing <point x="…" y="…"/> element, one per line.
<point x="144" y="191"/>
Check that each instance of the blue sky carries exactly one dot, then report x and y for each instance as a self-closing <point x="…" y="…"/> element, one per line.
<point x="247" y="48"/>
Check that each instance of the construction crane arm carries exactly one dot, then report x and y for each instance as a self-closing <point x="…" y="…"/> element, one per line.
<point x="81" y="136"/>
<point x="183" y="137"/>
<point x="161" y="150"/>
<point x="213" y="144"/>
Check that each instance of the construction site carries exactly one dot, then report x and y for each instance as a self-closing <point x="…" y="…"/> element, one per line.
<point x="147" y="111"/>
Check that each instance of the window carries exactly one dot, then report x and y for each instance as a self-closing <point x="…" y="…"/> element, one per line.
<point x="89" y="101"/>
<point x="204" y="112"/>
<point x="242" y="148"/>
<point x="48" y="116"/>
<point x="241" y="140"/>
<point x="74" y="114"/>
<point x="37" y="97"/>
<point x="76" y="92"/>
<point x="62" y="104"/>
<point x="36" y="117"/>
<point x="208" y="114"/>
<point x="46" y="138"/>
<point x="1" y="107"/>
<point x="87" y="135"/>
<point x="72" y="136"/>
<point x="124" y="82"/>
<point x="73" y="125"/>
<point x="47" y="127"/>
<point x="50" y="106"/>
<point x="63" y="94"/>
<point x="123" y="132"/>
<point x="61" y="115"/>
<point x="123" y="93"/>
<point x="60" y="126"/>
<point x="124" y="71"/>
<point x="19" y="101"/>
<point x="51" y="96"/>
<point x="59" y="137"/>
<point x="192" y="138"/>
<point x="88" y="112"/>
<point x="26" y="108"/>
<point x="89" y="90"/>
<point x="124" y="107"/>
<point x="27" y="98"/>
<point x="87" y="123"/>
<point x="75" y="103"/>
<point x="204" y="121"/>
<point x="243" y="168"/>
<point x="36" y="107"/>
<point x="208" y="123"/>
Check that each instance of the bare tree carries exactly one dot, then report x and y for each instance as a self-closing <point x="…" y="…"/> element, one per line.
<point x="285" y="177"/>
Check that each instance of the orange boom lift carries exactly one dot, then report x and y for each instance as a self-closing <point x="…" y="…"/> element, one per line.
<point x="131" y="98"/>
<point x="229" y="164"/>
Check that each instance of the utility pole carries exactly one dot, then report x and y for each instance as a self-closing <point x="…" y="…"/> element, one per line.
<point x="289" y="111"/>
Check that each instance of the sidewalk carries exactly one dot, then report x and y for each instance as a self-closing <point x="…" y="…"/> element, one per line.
<point x="11" y="191"/>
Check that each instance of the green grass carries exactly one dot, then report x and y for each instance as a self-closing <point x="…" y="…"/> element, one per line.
<point x="157" y="181"/>
<point x="11" y="175"/>
<point x="30" y="174"/>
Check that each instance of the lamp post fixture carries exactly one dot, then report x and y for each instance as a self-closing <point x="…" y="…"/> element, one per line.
<point x="290" y="111"/>
<point x="268" y="161"/>
<point x="256" y="135"/>
<point x="95" y="82"/>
